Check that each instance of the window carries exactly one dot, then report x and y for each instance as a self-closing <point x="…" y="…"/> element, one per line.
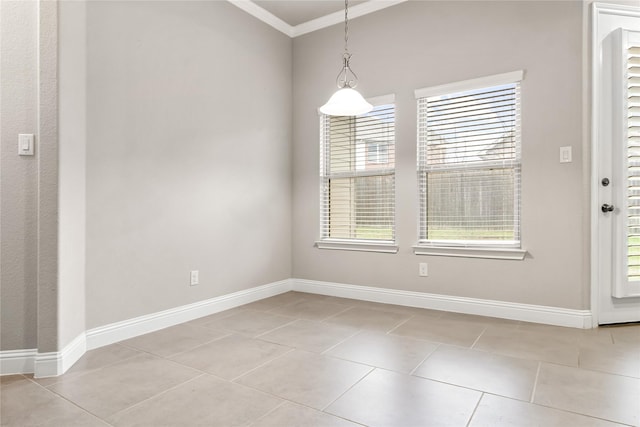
<point x="357" y="180"/>
<point x="469" y="166"/>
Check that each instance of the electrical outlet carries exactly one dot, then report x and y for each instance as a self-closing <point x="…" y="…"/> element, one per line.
<point x="195" y="278"/>
<point x="423" y="271"/>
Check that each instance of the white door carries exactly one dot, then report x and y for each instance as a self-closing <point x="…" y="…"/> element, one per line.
<point x="616" y="164"/>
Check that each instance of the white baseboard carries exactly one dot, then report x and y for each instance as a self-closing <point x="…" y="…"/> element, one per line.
<point x="18" y="361"/>
<point x="505" y="310"/>
<point x="115" y="332"/>
<point x="42" y="364"/>
<point x="56" y="363"/>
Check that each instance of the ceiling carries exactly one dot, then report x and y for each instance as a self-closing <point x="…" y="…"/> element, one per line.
<point x="298" y="17"/>
<point x="301" y="11"/>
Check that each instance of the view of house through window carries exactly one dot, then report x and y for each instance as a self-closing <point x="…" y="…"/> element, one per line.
<point x="358" y="176"/>
<point x="469" y="166"/>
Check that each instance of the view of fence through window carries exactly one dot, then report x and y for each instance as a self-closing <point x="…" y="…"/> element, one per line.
<point x="358" y="176"/>
<point x="469" y="166"/>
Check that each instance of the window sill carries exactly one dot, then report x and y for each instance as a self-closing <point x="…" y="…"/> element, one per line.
<point x="362" y="246"/>
<point x="470" y="252"/>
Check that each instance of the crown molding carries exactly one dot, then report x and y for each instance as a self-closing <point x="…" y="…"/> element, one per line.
<point x="315" y="24"/>
<point x="267" y="17"/>
<point x="338" y="17"/>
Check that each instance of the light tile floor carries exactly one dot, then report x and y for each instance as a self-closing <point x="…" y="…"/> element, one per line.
<point x="308" y="360"/>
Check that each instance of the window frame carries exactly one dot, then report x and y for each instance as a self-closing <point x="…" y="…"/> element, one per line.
<point x="362" y="245"/>
<point x="468" y="248"/>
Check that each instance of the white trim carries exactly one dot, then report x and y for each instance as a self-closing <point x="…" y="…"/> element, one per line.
<point x="315" y="24"/>
<point x="480" y="82"/>
<point x="263" y="15"/>
<point x="388" y="248"/>
<point x="505" y="310"/>
<point x="17" y="361"/>
<point x="338" y="17"/>
<point x="469" y="252"/>
<point x="42" y="364"/>
<point x="119" y="331"/>
<point x="57" y="363"/>
<point x="382" y="100"/>
<point x="620" y="314"/>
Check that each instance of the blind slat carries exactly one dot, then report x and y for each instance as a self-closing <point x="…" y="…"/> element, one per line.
<point x="469" y="165"/>
<point x="358" y="176"/>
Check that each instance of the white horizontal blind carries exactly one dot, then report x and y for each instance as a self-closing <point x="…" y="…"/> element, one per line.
<point x="633" y="163"/>
<point x="469" y="167"/>
<point x="357" y="173"/>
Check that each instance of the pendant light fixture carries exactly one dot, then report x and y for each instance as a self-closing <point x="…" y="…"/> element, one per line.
<point x="346" y="101"/>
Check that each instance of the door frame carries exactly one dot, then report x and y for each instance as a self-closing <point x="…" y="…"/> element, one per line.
<point x="599" y="9"/>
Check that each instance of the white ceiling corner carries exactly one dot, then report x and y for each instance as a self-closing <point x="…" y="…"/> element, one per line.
<point x="315" y="24"/>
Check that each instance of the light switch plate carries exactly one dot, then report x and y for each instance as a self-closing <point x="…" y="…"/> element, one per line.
<point x="26" y="144"/>
<point x="565" y="154"/>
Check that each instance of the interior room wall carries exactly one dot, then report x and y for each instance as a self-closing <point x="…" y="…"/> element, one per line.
<point x="18" y="175"/>
<point x="72" y="106"/>
<point x="188" y="155"/>
<point x="421" y="44"/>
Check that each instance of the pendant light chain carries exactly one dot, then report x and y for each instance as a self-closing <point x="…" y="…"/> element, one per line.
<point x="346" y="101"/>
<point x="346" y="26"/>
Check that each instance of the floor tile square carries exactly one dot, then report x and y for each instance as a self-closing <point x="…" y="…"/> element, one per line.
<point x="496" y="411"/>
<point x="629" y="334"/>
<point x="277" y="301"/>
<point x="310" y="309"/>
<point x="203" y="401"/>
<point x="370" y="319"/>
<point x="621" y="358"/>
<point x="442" y="330"/>
<point x="106" y="391"/>
<point x="527" y="344"/>
<point x="306" y="378"/>
<point x="478" y="370"/>
<point x="92" y="360"/>
<point x="25" y="403"/>
<point x="176" y="339"/>
<point x="231" y="356"/>
<point x="387" y="398"/>
<point x="392" y="352"/>
<point x="217" y="316"/>
<point x="610" y="397"/>
<point x="290" y="414"/>
<point x="249" y="322"/>
<point x="309" y="335"/>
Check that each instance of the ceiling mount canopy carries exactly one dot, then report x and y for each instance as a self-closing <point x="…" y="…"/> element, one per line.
<point x="346" y="101"/>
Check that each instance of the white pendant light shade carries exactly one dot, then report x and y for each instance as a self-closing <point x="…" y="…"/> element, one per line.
<point x="346" y="102"/>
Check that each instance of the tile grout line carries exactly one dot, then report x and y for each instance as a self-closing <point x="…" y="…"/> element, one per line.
<point x="347" y="308"/>
<point x="424" y="360"/>
<point x="277" y="327"/>
<point x="475" y="409"/>
<point x="158" y="394"/>
<point x="357" y="332"/>
<point x="60" y="378"/>
<point x="268" y="412"/>
<point x="70" y="401"/>
<point x="535" y="382"/>
<point x="291" y="349"/>
<point x="349" y="389"/>
<point x="390" y="331"/>
<point x="479" y="336"/>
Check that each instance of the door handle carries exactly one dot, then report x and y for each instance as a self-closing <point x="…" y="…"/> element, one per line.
<point x="607" y="208"/>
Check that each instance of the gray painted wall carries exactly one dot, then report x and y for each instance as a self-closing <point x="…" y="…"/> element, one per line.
<point x="188" y="155"/>
<point x="421" y="44"/>
<point x="18" y="175"/>
<point x="72" y="107"/>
